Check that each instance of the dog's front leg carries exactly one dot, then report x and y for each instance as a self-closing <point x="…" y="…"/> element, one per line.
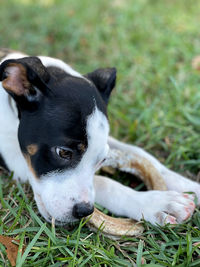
<point x="155" y="206"/>
<point x="174" y="181"/>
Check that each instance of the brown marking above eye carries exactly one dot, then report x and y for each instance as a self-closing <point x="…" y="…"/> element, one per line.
<point x="81" y="147"/>
<point x="32" y="149"/>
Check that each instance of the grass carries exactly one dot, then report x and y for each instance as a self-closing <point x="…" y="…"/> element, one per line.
<point x="156" y="105"/>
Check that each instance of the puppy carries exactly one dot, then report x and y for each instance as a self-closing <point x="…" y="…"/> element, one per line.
<point x="55" y="134"/>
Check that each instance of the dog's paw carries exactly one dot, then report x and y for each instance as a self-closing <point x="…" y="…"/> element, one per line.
<point x="167" y="207"/>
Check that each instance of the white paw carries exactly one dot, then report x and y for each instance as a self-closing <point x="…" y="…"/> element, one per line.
<point x="163" y="207"/>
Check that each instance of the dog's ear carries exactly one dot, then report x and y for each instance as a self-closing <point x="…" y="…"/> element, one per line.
<point x="25" y="78"/>
<point x="104" y="80"/>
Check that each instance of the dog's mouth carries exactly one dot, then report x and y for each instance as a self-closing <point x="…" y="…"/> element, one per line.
<point x="49" y="218"/>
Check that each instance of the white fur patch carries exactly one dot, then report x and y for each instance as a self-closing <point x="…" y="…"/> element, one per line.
<point x="14" y="55"/>
<point x="9" y="145"/>
<point x="155" y="206"/>
<point x="53" y="62"/>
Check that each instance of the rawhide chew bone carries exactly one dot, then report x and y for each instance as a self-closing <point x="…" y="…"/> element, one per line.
<point x="139" y="166"/>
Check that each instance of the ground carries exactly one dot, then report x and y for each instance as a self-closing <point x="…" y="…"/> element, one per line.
<point x="156" y="105"/>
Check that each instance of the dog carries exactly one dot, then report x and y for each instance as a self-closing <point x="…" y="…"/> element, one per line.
<point x="55" y="135"/>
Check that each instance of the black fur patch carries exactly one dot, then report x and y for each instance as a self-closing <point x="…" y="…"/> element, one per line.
<point x="57" y="73"/>
<point x="59" y="120"/>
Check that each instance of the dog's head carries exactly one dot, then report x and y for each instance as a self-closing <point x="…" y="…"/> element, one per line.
<point x="62" y="133"/>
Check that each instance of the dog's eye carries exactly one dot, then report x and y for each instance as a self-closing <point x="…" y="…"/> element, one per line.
<point x="65" y="153"/>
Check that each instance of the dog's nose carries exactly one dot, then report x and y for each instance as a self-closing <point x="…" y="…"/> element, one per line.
<point x="82" y="209"/>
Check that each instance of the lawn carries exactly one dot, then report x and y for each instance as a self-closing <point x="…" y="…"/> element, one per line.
<point x="156" y="105"/>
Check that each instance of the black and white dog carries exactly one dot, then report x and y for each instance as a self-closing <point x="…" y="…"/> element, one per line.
<point x="54" y="132"/>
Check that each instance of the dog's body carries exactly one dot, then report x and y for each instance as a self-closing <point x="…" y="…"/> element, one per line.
<point x="54" y="134"/>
